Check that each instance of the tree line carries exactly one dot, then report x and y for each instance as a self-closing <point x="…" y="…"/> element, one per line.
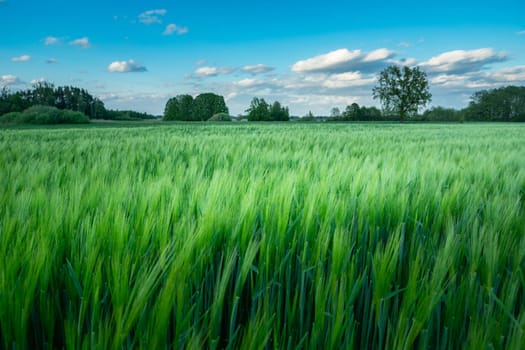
<point x="402" y="91"/>
<point x="44" y="96"/>
<point x="505" y="104"/>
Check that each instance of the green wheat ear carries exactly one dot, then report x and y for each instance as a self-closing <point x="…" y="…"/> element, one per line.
<point x="358" y="236"/>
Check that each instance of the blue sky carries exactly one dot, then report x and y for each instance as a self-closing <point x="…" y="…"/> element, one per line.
<point x="309" y="55"/>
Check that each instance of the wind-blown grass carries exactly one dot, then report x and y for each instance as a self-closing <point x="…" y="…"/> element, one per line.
<point x="263" y="236"/>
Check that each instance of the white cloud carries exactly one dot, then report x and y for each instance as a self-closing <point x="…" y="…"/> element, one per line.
<point x="455" y="81"/>
<point x="81" y="42"/>
<point x="480" y="79"/>
<point x="200" y="62"/>
<point x="51" y="61"/>
<point x="258" y="69"/>
<point x="125" y="67"/>
<point x="508" y="75"/>
<point x="174" y="29"/>
<point x="213" y="71"/>
<point x="51" y="40"/>
<point x="378" y="55"/>
<point x="410" y="62"/>
<point x="152" y="16"/>
<point x="462" y="61"/>
<point x="23" y="58"/>
<point x="404" y="44"/>
<point x="346" y="80"/>
<point x="247" y="83"/>
<point x="315" y="101"/>
<point x="9" y="79"/>
<point x="343" y="60"/>
<point x="36" y="81"/>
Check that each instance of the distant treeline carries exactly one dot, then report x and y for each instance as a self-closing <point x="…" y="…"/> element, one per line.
<point x="506" y="104"/>
<point x="66" y="98"/>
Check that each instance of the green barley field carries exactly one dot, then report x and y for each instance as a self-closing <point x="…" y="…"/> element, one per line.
<point x="263" y="236"/>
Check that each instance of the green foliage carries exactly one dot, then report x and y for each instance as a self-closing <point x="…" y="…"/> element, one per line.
<point x="208" y="104"/>
<point x="260" y="110"/>
<point x="402" y="91"/>
<point x="220" y="117"/>
<point x="263" y="237"/>
<point x="179" y="108"/>
<point x="203" y="107"/>
<point x="279" y="113"/>
<point x="44" y="115"/>
<point x="505" y="104"/>
<point x="46" y="94"/>
<point x="12" y="102"/>
<point x="443" y="114"/>
<point x="112" y="114"/>
<point x="354" y="112"/>
<point x="309" y="117"/>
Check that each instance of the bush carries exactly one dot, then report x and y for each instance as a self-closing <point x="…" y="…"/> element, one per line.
<point x="11" y="117"/>
<point x="220" y="117"/>
<point x="45" y="115"/>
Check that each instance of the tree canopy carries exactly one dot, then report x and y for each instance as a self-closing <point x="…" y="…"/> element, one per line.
<point x="186" y="108"/>
<point x="402" y="91"/>
<point x="46" y="94"/>
<point x="260" y="110"/>
<point x="503" y="104"/>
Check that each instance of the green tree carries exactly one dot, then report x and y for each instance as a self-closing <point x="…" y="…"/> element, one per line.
<point x="279" y="113"/>
<point x="13" y="102"/>
<point x="370" y="113"/>
<point x="352" y="112"/>
<point x="442" y="114"/>
<point x="502" y="104"/>
<point x="179" y="108"/>
<point x="45" y="94"/>
<point x="335" y="113"/>
<point x="402" y="90"/>
<point x="208" y="104"/>
<point x="259" y="110"/>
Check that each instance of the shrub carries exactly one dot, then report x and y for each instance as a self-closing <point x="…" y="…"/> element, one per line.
<point x="11" y="117"/>
<point x="45" y="115"/>
<point x="220" y="117"/>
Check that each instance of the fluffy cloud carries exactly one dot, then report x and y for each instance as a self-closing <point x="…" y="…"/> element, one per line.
<point x="36" y="81"/>
<point x="81" y="42"/>
<point x="508" y="75"/>
<point x="252" y="83"/>
<point x="125" y="67"/>
<point x="206" y="72"/>
<point x="23" y="58"/>
<point x="344" y="60"/>
<point x="347" y="80"/>
<point x="471" y="81"/>
<point x="257" y="69"/>
<point x="9" y="79"/>
<point x="462" y="61"/>
<point x="174" y="29"/>
<point x="152" y="16"/>
<point x="460" y="81"/>
<point x="51" y="40"/>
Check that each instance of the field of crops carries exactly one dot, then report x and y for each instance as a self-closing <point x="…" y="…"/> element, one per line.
<point x="263" y="236"/>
